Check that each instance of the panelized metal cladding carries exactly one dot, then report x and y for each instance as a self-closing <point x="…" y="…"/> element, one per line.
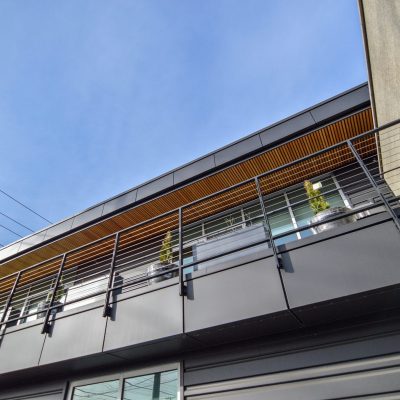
<point x="359" y="360"/>
<point x="351" y="360"/>
<point x="50" y="390"/>
<point x="229" y="279"/>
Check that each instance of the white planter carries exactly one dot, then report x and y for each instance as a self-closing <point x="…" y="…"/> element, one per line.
<point x="331" y="213"/>
<point x="229" y="242"/>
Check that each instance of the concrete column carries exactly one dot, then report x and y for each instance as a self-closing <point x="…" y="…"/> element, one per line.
<point x="381" y="30"/>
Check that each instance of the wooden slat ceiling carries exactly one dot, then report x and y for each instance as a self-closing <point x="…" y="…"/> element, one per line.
<point x="271" y="159"/>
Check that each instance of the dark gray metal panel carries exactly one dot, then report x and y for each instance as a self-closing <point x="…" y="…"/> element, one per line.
<point x="355" y="384"/>
<point x="150" y="316"/>
<point x="274" y="357"/>
<point x="193" y="169"/>
<point x="21" y="349"/>
<point x="159" y="349"/>
<point x="50" y="390"/>
<point x="155" y="186"/>
<point x="73" y="336"/>
<point x="341" y="104"/>
<point x="44" y="396"/>
<point x="119" y="202"/>
<point x="288" y="127"/>
<point x="238" y="149"/>
<point x="247" y="329"/>
<point x="87" y="216"/>
<point x="57" y="395"/>
<point x="235" y="294"/>
<point x="59" y="229"/>
<point x="355" y="262"/>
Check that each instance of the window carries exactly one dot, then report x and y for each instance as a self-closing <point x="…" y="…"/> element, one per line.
<point x="286" y="211"/>
<point x="291" y="209"/>
<point x="97" y="391"/>
<point x="156" y="384"/>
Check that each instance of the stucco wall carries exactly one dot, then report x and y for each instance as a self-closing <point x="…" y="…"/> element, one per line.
<point x="381" y="19"/>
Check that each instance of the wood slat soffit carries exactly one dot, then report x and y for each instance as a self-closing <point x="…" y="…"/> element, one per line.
<point x="256" y="165"/>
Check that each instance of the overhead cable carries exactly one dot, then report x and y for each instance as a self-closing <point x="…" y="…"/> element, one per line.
<point x="19" y="223"/>
<point x="25" y="206"/>
<point x="8" y="229"/>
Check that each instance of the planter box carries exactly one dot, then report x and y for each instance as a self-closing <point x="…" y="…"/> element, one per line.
<point x="229" y="242"/>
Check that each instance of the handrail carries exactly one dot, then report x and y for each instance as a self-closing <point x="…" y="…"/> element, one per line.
<point x="342" y="143"/>
<point x="146" y="252"/>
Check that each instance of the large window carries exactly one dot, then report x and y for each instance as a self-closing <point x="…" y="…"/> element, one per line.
<point x="290" y="209"/>
<point x="107" y="390"/>
<point x="148" y="385"/>
<point x="286" y="210"/>
<point x="156" y="386"/>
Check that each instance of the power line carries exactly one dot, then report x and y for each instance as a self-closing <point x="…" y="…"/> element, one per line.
<point x="19" y="223"/>
<point x="8" y="229"/>
<point x="23" y="205"/>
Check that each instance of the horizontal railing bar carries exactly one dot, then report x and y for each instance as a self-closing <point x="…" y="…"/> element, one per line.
<point x="91" y="243"/>
<point x="144" y="279"/>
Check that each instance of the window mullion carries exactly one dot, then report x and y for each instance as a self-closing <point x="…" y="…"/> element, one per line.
<point x="121" y="388"/>
<point x="292" y="215"/>
<point x="344" y="197"/>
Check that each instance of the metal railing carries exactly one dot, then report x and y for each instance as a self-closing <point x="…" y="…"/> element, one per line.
<point x="265" y="211"/>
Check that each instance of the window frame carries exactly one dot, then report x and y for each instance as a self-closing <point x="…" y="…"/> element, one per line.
<point x="289" y="206"/>
<point x="126" y="374"/>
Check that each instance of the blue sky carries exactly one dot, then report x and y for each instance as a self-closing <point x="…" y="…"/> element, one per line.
<point x="97" y="96"/>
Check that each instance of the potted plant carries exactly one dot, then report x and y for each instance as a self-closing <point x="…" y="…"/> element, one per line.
<point x="323" y="211"/>
<point x="165" y="261"/>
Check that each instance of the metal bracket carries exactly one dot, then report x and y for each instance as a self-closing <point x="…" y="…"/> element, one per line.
<point x="107" y="311"/>
<point x="183" y="290"/>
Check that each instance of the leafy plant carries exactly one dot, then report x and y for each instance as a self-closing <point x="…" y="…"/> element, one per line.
<point x="166" y="249"/>
<point x="316" y="199"/>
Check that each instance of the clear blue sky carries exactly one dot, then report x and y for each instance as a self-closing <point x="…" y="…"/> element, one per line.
<point x="97" y="96"/>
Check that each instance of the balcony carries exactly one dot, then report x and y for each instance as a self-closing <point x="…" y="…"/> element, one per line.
<point x="244" y="261"/>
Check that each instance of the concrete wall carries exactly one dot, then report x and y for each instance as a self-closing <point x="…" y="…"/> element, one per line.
<point x="381" y="25"/>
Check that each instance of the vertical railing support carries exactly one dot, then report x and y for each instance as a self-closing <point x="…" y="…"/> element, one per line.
<point x="46" y="324"/>
<point x="110" y="283"/>
<point x="182" y="287"/>
<point x="374" y="184"/>
<point x="278" y="260"/>
<point x="9" y="300"/>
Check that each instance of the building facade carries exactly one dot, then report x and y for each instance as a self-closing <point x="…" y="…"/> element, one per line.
<point x="215" y="281"/>
<point x="225" y="278"/>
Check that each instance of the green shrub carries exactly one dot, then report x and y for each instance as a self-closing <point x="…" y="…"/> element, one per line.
<point x="166" y="249"/>
<point x="316" y="199"/>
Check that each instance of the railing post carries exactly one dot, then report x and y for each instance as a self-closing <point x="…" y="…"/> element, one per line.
<point x="278" y="260"/>
<point x="9" y="300"/>
<point x="374" y="184"/>
<point x="46" y="324"/>
<point x="110" y="283"/>
<point x="182" y="287"/>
